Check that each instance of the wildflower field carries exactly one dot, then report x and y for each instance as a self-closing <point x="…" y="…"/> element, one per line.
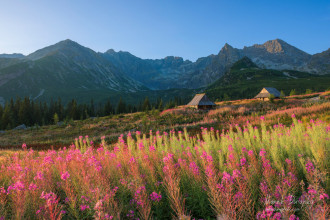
<point x="245" y="172"/>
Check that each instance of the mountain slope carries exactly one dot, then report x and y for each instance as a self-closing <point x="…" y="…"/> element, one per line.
<point x="65" y="69"/>
<point x="277" y="54"/>
<point x="170" y="72"/>
<point x="245" y="79"/>
<point x="320" y="63"/>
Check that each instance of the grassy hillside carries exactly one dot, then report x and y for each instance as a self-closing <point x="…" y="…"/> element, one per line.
<point x="225" y="115"/>
<point x="244" y="160"/>
<point x="245" y="80"/>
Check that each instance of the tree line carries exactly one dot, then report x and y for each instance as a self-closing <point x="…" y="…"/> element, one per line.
<point x="30" y="113"/>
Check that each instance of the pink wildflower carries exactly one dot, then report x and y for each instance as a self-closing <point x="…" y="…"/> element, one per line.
<point x="65" y="175"/>
<point x="84" y="207"/>
<point x="293" y="217"/>
<point x="155" y="196"/>
<point x="243" y="161"/>
<point x="309" y="167"/>
<point x="324" y="196"/>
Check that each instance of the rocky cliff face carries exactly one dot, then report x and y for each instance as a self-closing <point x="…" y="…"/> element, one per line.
<point x="170" y="72"/>
<point x="274" y="54"/>
<point x="277" y="54"/>
<point x="320" y="63"/>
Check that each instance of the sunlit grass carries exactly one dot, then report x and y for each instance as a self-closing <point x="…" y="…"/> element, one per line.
<point x="270" y="172"/>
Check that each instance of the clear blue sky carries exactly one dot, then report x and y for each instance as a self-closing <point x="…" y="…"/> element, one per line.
<point x="158" y="28"/>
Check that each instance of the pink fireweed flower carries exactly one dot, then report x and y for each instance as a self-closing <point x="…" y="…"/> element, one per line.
<point x="155" y="196"/>
<point x="48" y="160"/>
<point x="293" y="217"/>
<point x="288" y="161"/>
<point x="243" y="161"/>
<point x="65" y="175"/>
<point x="238" y="196"/>
<point x="84" y="207"/>
<point x="2" y="190"/>
<point x="168" y="158"/>
<point x="226" y="176"/>
<point x="39" y="176"/>
<point x="18" y="186"/>
<point x="123" y="182"/>
<point x="132" y="160"/>
<point x="262" y="153"/>
<point x="141" y="146"/>
<point x="194" y="168"/>
<point x="311" y="191"/>
<point x="293" y="115"/>
<point x="262" y="118"/>
<point x="269" y="211"/>
<point x="24" y="146"/>
<point x="277" y="216"/>
<point x="236" y="173"/>
<point x="130" y="214"/>
<point x="231" y="157"/>
<point x="324" y="196"/>
<point x="50" y="198"/>
<point x="250" y="153"/>
<point x="209" y="171"/>
<point x="309" y="167"/>
<point x="152" y="148"/>
<point x="32" y="187"/>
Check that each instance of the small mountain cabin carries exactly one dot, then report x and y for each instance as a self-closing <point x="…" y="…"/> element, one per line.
<point x="201" y="101"/>
<point x="265" y="93"/>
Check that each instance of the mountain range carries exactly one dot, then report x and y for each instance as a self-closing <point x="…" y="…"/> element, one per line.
<point x="245" y="79"/>
<point x="70" y="70"/>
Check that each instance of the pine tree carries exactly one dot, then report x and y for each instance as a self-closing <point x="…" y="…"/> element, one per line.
<point x="56" y="119"/>
<point x="108" y="110"/>
<point x="160" y="105"/>
<point x="146" y="104"/>
<point x="6" y="117"/>
<point x="293" y="92"/>
<point x="92" y="109"/>
<point x="121" y="107"/>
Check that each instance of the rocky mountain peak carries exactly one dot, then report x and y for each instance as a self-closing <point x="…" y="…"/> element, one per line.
<point x="226" y="47"/>
<point x="67" y="47"/>
<point x="275" y="46"/>
<point x="110" y="51"/>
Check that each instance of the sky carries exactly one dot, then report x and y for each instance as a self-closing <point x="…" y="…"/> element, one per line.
<point x="159" y="28"/>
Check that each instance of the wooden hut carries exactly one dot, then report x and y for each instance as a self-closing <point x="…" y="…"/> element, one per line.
<point x="265" y="93"/>
<point x="201" y="101"/>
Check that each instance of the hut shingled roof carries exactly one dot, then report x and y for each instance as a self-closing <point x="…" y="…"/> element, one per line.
<point x="200" y="99"/>
<point x="269" y="90"/>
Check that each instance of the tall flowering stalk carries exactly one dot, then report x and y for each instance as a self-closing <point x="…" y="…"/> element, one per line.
<point x="172" y="185"/>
